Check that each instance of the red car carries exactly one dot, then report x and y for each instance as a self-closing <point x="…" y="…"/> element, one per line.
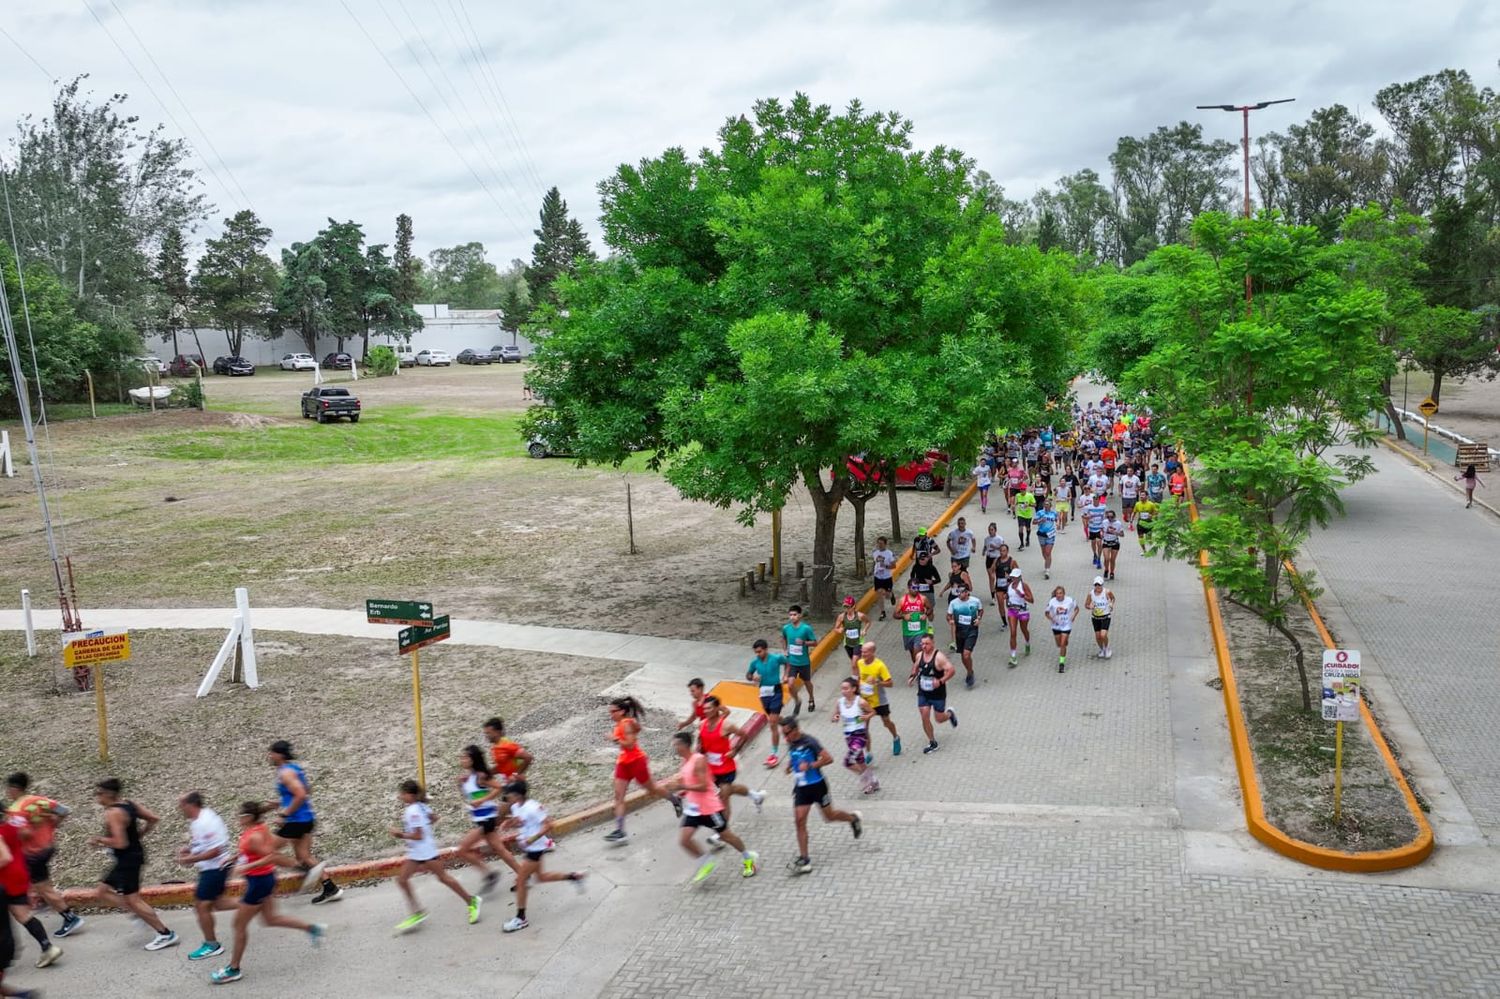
<point x="925" y="473"/>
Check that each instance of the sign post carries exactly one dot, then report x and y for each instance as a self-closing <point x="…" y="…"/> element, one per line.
<point x="1429" y="408"/>
<point x="413" y="640"/>
<point x="1341" y="697"/>
<point x="95" y="648"/>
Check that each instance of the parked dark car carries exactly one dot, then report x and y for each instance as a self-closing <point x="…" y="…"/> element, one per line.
<point x="182" y="365"/>
<point x="329" y="402"/>
<point x="233" y="366"/>
<point x="471" y="356"/>
<point x="338" y="362"/>
<point x="507" y="354"/>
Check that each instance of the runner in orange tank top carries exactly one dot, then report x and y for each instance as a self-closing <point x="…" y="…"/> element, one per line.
<point x="632" y="764"/>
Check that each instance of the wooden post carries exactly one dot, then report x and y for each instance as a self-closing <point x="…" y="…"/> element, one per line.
<point x="630" y="519"/>
<point x="776" y="588"/>
<point x="801" y="570"/>
<point x="103" y="714"/>
<point x="416" y="710"/>
<point x="151" y="386"/>
<point x="1338" y="771"/>
<point x="760" y="572"/>
<point x="804" y="591"/>
<point x="776" y="543"/>
<point x="750" y="579"/>
<point x="743" y="591"/>
<point x="93" y="411"/>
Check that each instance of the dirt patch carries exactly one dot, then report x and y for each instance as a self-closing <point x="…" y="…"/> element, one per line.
<point x="344" y="703"/>
<point x="1294" y="749"/>
<point x="250" y="421"/>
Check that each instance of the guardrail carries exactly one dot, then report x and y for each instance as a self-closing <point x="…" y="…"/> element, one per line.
<point x="1443" y="432"/>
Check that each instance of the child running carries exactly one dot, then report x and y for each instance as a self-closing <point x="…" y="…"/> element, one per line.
<point x="482" y="797"/>
<point x="529" y="829"/>
<point x="703" y="808"/>
<point x="632" y="765"/>
<point x="854" y="712"/>
<point x="422" y="855"/>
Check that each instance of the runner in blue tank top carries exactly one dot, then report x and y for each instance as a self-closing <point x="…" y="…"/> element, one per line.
<point x="298" y="820"/>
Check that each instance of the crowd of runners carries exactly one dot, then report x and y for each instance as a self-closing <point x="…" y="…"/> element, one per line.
<point x="1046" y="479"/>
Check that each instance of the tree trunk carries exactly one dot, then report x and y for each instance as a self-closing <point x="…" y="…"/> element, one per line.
<point x="858" y="501"/>
<point x="310" y="341"/>
<point x="1390" y="411"/>
<point x="364" y="351"/>
<point x="1297" y="651"/>
<point x="890" y="487"/>
<point x="175" y="349"/>
<point x="826" y="504"/>
<point x="199" y="344"/>
<point x="236" y="340"/>
<point x="1437" y="385"/>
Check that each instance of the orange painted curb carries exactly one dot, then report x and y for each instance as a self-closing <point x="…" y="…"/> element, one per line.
<point x="1260" y="827"/>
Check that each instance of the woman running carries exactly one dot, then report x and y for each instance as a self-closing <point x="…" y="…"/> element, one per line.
<point x="702" y="807"/>
<point x="1100" y="603"/>
<point x="1003" y="566"/>
<point x="1470" y="479"/>
<point x="258" y="862"/>
<point x="993" y="542"/>
<point x="481" y="793"/>
<point x="1062" y="611"/>
<point x="981" y="474"/>
<point x="1046" y="534"/>
<point x="529" y="829"/>
<point x="855" y="714"/>
<point x="632" y="765"/>
<point x="852" y="622"/>
<point x="415" y="832"/>
<point x="1018" y="601"/>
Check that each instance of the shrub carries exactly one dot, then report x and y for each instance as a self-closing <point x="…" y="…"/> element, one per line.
<point x="381" y="361"/>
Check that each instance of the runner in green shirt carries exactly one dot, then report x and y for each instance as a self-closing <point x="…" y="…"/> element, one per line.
<point x="1025" y="510"/>
<point x="797" y="640"/>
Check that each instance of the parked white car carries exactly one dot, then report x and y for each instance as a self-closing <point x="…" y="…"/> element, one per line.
<point x="434" y="358"/>
<point x="152" y="363"/>
<point x="298" y="362"/>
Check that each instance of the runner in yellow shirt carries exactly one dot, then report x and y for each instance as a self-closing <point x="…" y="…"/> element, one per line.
<point x="874" y="678"/>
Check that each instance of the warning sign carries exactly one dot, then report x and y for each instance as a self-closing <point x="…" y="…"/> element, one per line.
<point x="1341" y="685"/>
<point x="88" y="648"/>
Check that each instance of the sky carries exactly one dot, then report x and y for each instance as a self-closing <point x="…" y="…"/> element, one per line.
<point x="462" y="113"/>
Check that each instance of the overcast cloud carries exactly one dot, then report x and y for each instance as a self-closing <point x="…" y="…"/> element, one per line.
<point x="311" y="122"/>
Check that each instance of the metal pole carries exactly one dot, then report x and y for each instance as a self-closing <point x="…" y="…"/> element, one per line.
<point x="630" y="519"/>
<point x="416" y="708"/>
<point x="1426" y="423"/>
<point x="1338" y="771"/>
<point x="1249" y="294"/>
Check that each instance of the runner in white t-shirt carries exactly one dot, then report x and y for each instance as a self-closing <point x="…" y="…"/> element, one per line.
<point x="1062" y="610"/>
<point x="415" y="832"/>
<point x="530" y="830"/>
<point x="209" y="852"/>
<point x="981" y="473"/>
<point x="961" y="544"/>
<point x="1130" y="491"/>
<point x="884" y="561"/>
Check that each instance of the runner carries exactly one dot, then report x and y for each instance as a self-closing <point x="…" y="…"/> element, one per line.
<point x="529" y="830"/>
<point x="1100" y="603"/>
<point x="797" y="641"/>
<point x="15" y="889"/>
<point x="993" y="542"/>
<point x="713" y="737"/>
<point x="258" y="862"/>
<point x="964" y="612"/>
<point x="1093" y="527"/>
<point x="1177" y="484"/>
<point x="508" y="759"/>
<point x="768" y="669"/>
<point x="298" y="820"/>
<point x="695" y="713"/>
<point x="958" y="579"/>
<point x="1017" y="608"/>
<point x="42" y="816"/>
<point x="1067" y="496"/>
<point x="923" y="544"/>
<point x="931" y="673"/>
<point x="852" y="622"/>
<point x="854" y="713"/>
<point x="961" y="544"/>
<point x="924" y="578"/>
<point x="1130" y="492"/>
<point x="1004" y="563"/>
<point x="981" y="473"/>
<point x="874" y="680"/>
<point x="1145" y="517"/>
<point x="632" y="765"/>
<point x="1096" y="480"/>
<point x="805" y="760"/>
<point x="916" y="618"/>
<point x="1109" y="542"/>
<point x="1062" y="611"/>
<point x="1046" y="534"/>
<point x="702" y="807"/>
<point x="884" y="581"/>
<point x="1025" y="503"/>
<point x="481" y="793"/>
<point x="9" y="856"/>
<point x="121" y="884"/>
<point x="1015" y="481"/>
<point x="415" y="832"/>
<point x="209" y="852"/>
<point x="1156" y="484"/>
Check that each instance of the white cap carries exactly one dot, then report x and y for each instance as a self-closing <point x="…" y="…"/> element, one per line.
<point x="1098" y="580"/>
<point x="1014" y="573"/>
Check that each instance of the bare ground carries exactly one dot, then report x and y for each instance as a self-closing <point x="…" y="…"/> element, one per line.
<point x="344" y="703"/>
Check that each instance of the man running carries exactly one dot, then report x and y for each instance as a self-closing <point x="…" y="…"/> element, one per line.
<point x="797" y="641"/>
<point x="1093" y="527"/>
<point x="1156" y="484"/>
<point x="41" y="816"/>
<point x="207" y="851"/>
<point x="15" y="890"/>
<point x="923" y="544"/>
<point x="805" y="760"/>
<point x="964" y="612"/>
<point x="884" y="581"/>
<point x="851" y="624"/>
<point x="874" y="680"/>
<point x="714" y="736"/>
<point x="1062" y="611"/>
<point x="931" y="673"/>
<point x="1100" y="603"/>
<point x="1025" y="503"/>
<point x="529" y="831"/>
<point x="1109" y="542"/>
<point x="1018" y="601"/>
<point x="696" y="711"/>
<point x="702" y="807"/>
<point x="121" y="884"/>
<point x="1145" y="519"/>
<point x="925" y="578"/>
<point x="961" y="543"/>
<point x="510" y="759"/>
<point x="1130" y="492"/>
<point x="1045" y="522"/>
<point x="768" y="670"/>
<point x="915" y="613"/>
<point x="295" y="811"/>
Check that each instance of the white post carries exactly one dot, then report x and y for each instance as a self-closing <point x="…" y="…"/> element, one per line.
<point x="5" y="462"/>
<point x="353" y="369"/>
<point x="317" y="373"/>
<point x="247" y="636"/>
<point x="223" y="657"/>
<point x="26" y="616"/>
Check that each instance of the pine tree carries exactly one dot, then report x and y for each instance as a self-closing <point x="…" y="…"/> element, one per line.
<point x="561" y="246"/>
<point x="172" y="286"/>
<point x="404" y="287"/>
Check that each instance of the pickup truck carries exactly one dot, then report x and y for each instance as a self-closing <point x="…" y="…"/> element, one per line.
<point x="328" y="402"/>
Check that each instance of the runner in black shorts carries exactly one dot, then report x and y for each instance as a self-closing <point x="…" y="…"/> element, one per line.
<point x="805" y="760"/>
<point x="121" y="884"/>
<point x="935" y="671"/>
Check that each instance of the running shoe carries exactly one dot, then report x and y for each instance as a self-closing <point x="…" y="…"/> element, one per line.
<point x="704" y="870"/>
<point x="1109" y="652"/>
<point x="515" y="923"/>
<point x="576" y="878"/>
<point x="857" y="824"/>
<point x="882" y="615"/>
<point x="410" y="923"/>
<point x="206" y="949"/>
<point x="474" y="904"/>
<point x="1046" y="573"/>
<point x="811" y="705"/>
<point x="715" y="841"/>
<point x="931" y="747"/>
<point x="328" y="896"/>
<point x="796" y="709"/>
<point x="800" y="866"/>
<point x="869" y="757"/>
<point x="772" y="761"/>
<point x="757" y="798"/>
<point x="225" y="975"/>
<point x="163" y="940"/>
<point x="618" y="836"/>
<point x="968" y="682"/>
<point x="676" y="804"/>
<point x="952" y="718"/>
<point x="490" y="881"/>
<point x="315" y="934"/>
<point x="952" y="646"/>
<point x="1012" y="664"/>
<point x="895" y="747"/>
<point x="747" y="866"/>
<point x="71" y="921"/>
<point x="52" y="953"/>
<point x="313" y="876"/>
<point x="1028" y="648"/>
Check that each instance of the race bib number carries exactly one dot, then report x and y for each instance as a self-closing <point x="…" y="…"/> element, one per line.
<point x="867" y="689"/>
<point x="716" y="758"/>
<point x="689" y="808"/>
<point x="851" y="633"/>
<point x="768" y="690"/>
<point x="927" y="682"/>
<point x="794" y="650"/>
<point x="965" y="619"/>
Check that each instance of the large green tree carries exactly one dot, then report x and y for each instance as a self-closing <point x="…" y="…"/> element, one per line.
<point x="1317" y="172"/>
<point x="1162" y="181"/>
<point x="561" y="247"/>
<point x="302" y="296"/>
<point x="235" y="281"/>
<point x="462" y="277"/>
<point x="169" y="308"/>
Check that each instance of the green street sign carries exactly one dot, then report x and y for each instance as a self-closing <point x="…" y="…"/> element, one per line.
<point x="413" y="612"/>
<point x="412" y="639"/>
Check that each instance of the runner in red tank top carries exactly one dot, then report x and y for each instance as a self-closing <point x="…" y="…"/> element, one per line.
<point x="714" y="737"/>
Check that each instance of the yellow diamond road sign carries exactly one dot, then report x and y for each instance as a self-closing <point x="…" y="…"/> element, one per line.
<point x="1428" y="406"/>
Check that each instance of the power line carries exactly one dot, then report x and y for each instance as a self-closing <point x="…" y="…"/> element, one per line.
<point x="494" y="81"/>
<point x="31" y="58"/>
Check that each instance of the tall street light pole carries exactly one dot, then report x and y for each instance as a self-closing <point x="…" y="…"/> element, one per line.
<point x="1244" y="110"/>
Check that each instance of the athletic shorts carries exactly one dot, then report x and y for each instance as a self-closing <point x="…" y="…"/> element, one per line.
<point x="926" y="700"/>
<point x="989" y="561"/>
<point x="638" y="770"/>
<point x="1062" y="631"/>
<point x="211" y="884"/>
<point x="801" y="671"/>
<point x="713" y="820"/>
<point x="772" y="704"/>
<point x="39" y="865"/>
<point x="966" y="638"/>
<point x="1102" y="623"/>
<point x="1089" y="534"/>
<point x="536" y="855"/>
<point x="851" y="651"/>
<point x="1017" y="613"/>
<point x="1113" y="545"/>
<point x="258" y="888"/>
<point x="855" y="744"/>
<point x="882" y="710"/>
<point x="911" y="643"/>
<point x="1023" y="522"/>
<point x="984" y="488"/>
<point x="7" y="900"/>
<point x="726" y="778"/>
<point x="887" y="584"/>
<point x="962" y="563"/>
<point x="125" y="876"/>
<point x="1128" y="502"/>
<point x="1047" y="540"/>
<point x="1143" y="529"/>
<point x="1063" y="507"/>
<point x="296" y="830"/>
<point x="488" y="825"/>
<point x="815" y="793"/>
<point x="7" y="946"/>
